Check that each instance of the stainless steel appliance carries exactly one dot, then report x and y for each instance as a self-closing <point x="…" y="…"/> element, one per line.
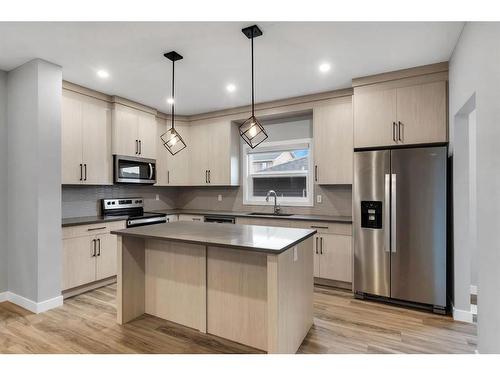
<point x="133" y="209"/>
<point x="399" y="221"/>
<point x="220" y="219"/>
<point x="134" y="170"/>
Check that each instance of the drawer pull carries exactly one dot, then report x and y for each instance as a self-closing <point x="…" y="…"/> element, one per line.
<point x="318" y="227"/>
<point x="91" y="229"/>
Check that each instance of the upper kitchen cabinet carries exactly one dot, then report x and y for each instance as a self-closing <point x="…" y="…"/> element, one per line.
<point x="86" y="140"/>
<point x="214" y="152"/>
<point x="405" y="111"/>
<point x="333" y="141"/>
<point x="172" y="170"/>
<point x="134" y="131"/>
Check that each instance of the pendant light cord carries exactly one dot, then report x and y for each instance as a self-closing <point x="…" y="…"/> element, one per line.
<point x="253" y="105"/>
<point x="173" y="83"/>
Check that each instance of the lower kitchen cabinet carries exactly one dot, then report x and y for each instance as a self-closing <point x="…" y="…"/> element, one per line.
<point x="333" y="257"/>
<point x="186" y="217"/>
<point x="89" y="253"/>
<point x="172" y="218"/>
<point x="106" y="256"/>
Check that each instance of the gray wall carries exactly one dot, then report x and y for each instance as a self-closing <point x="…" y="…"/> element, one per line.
<point x="474" y="69"/>
<point x="34" y="180"/>
<point x="3" y="181"/>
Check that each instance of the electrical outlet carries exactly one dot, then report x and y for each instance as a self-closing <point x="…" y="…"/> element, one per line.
<point x="319" y="198"/>
<point x="219" y="197"/>
<point x="157" y="197"/>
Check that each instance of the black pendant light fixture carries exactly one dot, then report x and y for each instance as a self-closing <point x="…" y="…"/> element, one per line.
<point x="252" y="130"/>
<point x="171" y="139"/>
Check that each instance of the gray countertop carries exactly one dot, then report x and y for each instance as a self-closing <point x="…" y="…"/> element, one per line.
<point x="272" y="240"/>
<point x="82" y="220"/>
<point x="102" y="219"/>
<point x="325" y="218"/>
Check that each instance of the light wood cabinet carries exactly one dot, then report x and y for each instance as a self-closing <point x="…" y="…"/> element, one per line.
<point x="400" y="113"/>
<point x="172" y="170"/>
<point x="89" y="253"/>
<point x="78" y="263"/>
<point x="186" y="217"/>
<point x="333" y="142"/>
<point x="335" y="257"/>
<point x="374" y="117"/>
<point x="86" y="140"/>
<point x="106" y="256"/>
<point x="214" y="153"/>
<point x="134" y="132"/>
<point x="421" y="113"/>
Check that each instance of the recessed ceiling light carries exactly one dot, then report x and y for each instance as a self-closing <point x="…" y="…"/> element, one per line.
<point x="102" y="74"/>
<point x="231" y="88"/>
<point x="170" y="100"/>
<point x="325" y="67"/>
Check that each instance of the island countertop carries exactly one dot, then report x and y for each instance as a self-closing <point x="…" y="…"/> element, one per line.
<point x="273" y="240"/>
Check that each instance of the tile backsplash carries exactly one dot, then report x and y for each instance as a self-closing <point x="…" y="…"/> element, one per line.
<point x="85" y="200"/>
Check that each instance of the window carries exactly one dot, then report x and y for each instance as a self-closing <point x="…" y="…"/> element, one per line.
<point x="284" y="167"/>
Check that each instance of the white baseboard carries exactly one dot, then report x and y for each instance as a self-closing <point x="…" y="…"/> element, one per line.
<point x="35" y="307"/>
<point x="4" y="296"/>
<point x="462" y="315"/>
<point x="473" y="289"/>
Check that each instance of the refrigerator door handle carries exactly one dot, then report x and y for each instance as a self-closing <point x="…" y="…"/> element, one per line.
<point x="393" y="212"/>
<point x="387" y="213"/>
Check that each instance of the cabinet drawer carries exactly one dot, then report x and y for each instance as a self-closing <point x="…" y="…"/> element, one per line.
<point x="91" y="229"/>
<point x="195" y="218"/>
<point x="324" y="227"/>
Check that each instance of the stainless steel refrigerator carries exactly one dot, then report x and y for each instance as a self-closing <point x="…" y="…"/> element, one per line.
<point x="399" y="220"/>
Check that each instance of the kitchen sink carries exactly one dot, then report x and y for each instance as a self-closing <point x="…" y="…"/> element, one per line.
<point x="268" y="214"/>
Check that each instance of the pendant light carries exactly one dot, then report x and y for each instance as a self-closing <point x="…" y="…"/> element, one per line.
<point x="252" y="130"/>
<point x="171" y="139"/>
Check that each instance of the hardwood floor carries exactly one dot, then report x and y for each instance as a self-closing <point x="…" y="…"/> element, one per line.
<point x="87" y="324"/>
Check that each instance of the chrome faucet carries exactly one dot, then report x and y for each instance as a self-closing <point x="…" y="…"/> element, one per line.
<point x="277" y="208"/>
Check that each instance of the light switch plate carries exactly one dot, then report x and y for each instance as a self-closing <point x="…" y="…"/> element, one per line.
<point x="319" y="198"/>
<point x="219" y="197"/>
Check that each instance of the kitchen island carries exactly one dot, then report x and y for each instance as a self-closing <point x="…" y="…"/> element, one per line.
<point x="249" y="284"/>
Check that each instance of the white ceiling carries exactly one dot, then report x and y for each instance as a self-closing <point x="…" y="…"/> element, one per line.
<point x="287" y="56"/>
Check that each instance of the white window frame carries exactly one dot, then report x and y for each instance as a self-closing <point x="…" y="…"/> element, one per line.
<point x="292" y="144"/>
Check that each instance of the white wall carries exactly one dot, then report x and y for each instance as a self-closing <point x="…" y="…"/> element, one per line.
<point x="34" y="180"/>
<point x="475" y="69"/>
<point x="3" y="181"/>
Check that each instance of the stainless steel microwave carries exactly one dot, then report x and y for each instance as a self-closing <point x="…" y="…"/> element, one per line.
<point x="133" y="170"/>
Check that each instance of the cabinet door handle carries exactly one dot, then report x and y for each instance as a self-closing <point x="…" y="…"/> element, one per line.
<point x="81" y="172"/>
<point x="196" y="219"/>
<point x="140" y="147"/>
<point x="99" y="228"/>
<point x="168" y="177"/>
<point x="316" y="173"/>
<point x="206" y="176"/>
<point x="93" y="244"/>
<point x="400" y="127"/>
<point x="317" y="238"/>
<point x="394" y="132"/>
<point x="321" y="243"/>
<point x="85" y="169"/>
<point x="209" y="176"/>
<point x="98" y="247"/>
<point x="318" y="227"/>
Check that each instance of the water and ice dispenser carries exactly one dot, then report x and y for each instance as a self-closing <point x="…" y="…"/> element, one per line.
<point x="371" y="214"/>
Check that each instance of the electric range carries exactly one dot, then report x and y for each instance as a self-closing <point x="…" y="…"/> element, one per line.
<point x="134" y="209"/>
